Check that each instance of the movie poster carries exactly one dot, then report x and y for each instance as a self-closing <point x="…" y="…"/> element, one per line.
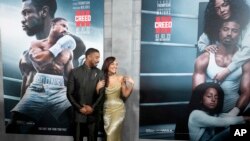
<point x="170" y="30"/>
<point x="85" y="19"/>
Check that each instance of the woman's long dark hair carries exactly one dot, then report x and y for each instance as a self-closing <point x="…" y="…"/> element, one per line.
<point x="181" y="130"/>
<point x="197" y="97"/>
<point x="240" y="11"/>
<point x="105" y="67"/>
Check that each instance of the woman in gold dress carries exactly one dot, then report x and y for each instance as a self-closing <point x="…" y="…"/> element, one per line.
<point x="117" y="87"/>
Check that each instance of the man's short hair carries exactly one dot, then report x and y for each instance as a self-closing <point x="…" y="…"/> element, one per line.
<point x="90" y="51"/>
<point x="231" y="19"/>
<point x="50" y="3"/>
<point x="55" y="20"/>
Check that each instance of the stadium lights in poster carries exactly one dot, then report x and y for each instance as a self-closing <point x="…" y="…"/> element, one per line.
<point x="85" y="20"/>
<point x="170" y="30"/>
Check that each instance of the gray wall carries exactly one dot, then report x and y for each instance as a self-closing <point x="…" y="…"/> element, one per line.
<point x="122" y="40"/>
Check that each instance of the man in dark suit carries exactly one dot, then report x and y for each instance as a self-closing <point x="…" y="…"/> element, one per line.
<point x="85" y="91"/>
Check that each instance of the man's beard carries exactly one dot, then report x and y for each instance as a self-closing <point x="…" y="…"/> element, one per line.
<point x="31" y="31"/>
<point x="228" y="41"/>
<point x="58" y="36"/>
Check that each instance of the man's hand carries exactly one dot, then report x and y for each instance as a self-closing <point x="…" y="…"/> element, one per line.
<point x="86" y="110"/>
<point x="65" y="42"/>
<point x="83" y="110"/>
<point x="89" y="109"/>
<point x="220" y="76"/>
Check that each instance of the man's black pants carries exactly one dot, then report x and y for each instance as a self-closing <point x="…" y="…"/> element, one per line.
<point x="85" y="129"/>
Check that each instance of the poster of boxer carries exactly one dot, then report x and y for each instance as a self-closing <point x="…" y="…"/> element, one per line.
<point x="41" y="41"/>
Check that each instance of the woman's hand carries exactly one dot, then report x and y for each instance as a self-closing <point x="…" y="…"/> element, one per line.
<point x="129" y="82"/>
<point x="127" y="86"/>
<point x="100" y="84"/>
<point x="211" y="48"/>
